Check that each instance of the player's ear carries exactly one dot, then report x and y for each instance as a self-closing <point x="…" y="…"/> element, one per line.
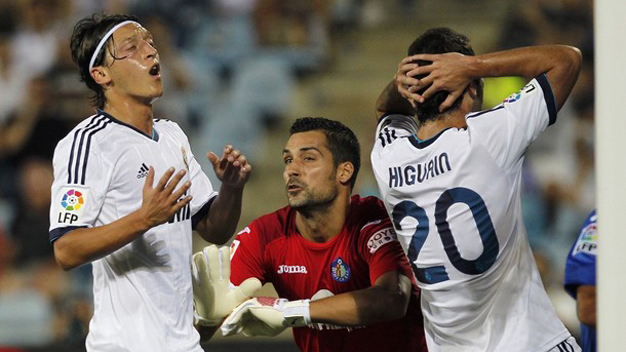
<point x="101" y="75"/>
<point x="345" y="172"/>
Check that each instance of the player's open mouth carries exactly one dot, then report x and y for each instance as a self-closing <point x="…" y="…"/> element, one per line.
<point x="293" y="188"/>
<point x="155" y="70"/>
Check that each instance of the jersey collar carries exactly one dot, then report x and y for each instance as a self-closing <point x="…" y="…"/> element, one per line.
<point x="154" y="136"/>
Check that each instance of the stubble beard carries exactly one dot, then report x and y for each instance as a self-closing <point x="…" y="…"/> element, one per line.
<point x="308" y="201"/>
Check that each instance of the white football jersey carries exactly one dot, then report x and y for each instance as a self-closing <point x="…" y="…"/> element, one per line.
<point x="142" y="291"/>
<point x="454" y="200"/>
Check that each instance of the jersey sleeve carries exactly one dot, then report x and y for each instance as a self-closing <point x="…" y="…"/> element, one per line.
<point x="509" y="128"/>
<point x="246" y="256"/>
<point x="201" y="189"/>
<point x="379" y="246"/>
<point x="81" y="179"/>
<point x="580" y="267"/>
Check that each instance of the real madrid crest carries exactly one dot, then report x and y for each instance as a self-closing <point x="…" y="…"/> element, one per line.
<point x="182" y="149"/>
<point x="340" y="271"/>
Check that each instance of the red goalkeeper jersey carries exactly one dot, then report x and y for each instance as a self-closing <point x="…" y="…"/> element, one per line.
<point x="272" y="250"/>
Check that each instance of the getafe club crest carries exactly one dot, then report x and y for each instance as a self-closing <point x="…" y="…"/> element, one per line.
<point x="340" y="271"/>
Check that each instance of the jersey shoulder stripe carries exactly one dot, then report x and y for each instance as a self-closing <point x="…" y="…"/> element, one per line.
<point x="81" y="144"/>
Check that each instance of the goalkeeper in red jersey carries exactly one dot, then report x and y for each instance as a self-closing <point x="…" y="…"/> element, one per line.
<point x="333" y="257"/>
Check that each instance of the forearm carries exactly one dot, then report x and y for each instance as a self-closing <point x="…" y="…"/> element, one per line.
<point x="368" y="306"/>
<point x="221" y="221"/>
<point x="85" y="245"/>
<point x="391" y="101"/>
<point x="560" y="63"/>
<point x="586" y="304"/>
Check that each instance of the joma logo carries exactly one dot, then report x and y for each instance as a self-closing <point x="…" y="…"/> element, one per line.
<point x="292" y="269"/>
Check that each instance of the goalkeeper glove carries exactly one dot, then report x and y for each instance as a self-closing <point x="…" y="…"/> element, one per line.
<point x="267" y="316"/>
<point x="212" y="294"/>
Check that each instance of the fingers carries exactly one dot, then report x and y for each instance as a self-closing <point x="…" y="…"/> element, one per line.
<point x="224" y="257"/>
<point x="450" y="99"/>
<point x="247" y="289"/>
<point x="198" y="267"/>
<point x="212" y="262"/>
<point x="147" y="185"/>
<point x="233" y="168"/>
<point x="171" y="185"/>
<point x="213" y="159"/>
<point x="166" y="176"/>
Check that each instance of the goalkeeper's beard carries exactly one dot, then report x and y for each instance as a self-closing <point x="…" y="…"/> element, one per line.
<point x="307" y="200"/>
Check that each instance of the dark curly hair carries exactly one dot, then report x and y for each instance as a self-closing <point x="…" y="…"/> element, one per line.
<point x="439" y="41"/>
<point x="86" y="35"/>
<point x="342" y="142"/>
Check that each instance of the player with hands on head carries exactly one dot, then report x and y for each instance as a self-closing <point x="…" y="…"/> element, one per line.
<point x="128" y="192"/>
<point x="333" y="257"/>
<point x="450" y="177"/>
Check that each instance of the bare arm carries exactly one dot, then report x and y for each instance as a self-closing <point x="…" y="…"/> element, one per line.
<point x="221" y="221"/>
<point x="160" y="203"/>
<point x="586" y="304"/>
<point x="452" y="72"/>
<point x="387" y="300"/>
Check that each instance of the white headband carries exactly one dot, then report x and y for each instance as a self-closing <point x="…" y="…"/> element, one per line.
<point x="104" y="39"/>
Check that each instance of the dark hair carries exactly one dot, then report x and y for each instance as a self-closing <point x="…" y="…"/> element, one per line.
<point x="342" y="143"/>
<point x="439" y="41"/>
<point x="86" y="35"/>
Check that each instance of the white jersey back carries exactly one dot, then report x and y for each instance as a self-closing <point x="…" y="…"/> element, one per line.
<point x="142" y="291"/>
<point x="455" y="203"/>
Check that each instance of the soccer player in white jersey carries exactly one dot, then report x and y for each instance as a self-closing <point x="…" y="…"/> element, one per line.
<point x="127" y="192"/>
<point x="451" y="184"/>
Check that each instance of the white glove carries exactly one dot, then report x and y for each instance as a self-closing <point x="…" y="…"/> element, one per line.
<point x="267" y="316"/>
<point x="212" y="294"/>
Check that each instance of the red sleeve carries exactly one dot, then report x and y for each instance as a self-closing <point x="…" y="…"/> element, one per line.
<point x="247" y="256"/>
<point x="379" y="246"/>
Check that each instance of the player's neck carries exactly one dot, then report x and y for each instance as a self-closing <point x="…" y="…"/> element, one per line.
<point x="431" y="128"/>
<point x="132" y="112"/>
<point x="323" y="223"/>
<point x="454" y="118"/>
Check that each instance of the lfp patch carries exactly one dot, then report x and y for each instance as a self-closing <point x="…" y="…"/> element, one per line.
<point x="70" y="205"/>
<point x="588" y="240"/>
<point x="72" y="200"/>
<point x="340" y="271"/>
<point x="516" y="96"/>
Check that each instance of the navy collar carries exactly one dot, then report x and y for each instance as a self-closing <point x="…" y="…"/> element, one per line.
<point x="154" y="136"/>
<point x="420" y="144"/>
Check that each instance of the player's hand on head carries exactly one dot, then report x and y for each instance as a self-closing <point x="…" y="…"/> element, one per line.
<point x="450" y="72"/>
<point x="213" y="296"/>
<point x="405" y="79"/>
<point x="162" y="201"/>
<point x="232" y="168"/>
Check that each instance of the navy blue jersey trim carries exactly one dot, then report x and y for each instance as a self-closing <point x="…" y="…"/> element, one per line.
<point x="156" y="134"/>
<point x="548" y="95"/>
<point x="423" y="144"/>
<point x="57" y="233"/>
<point x="383" y="117"/>
<point x="69" y="165"/>
<point x="95" y="122"/>
<point x="498" y="107"/>
<point x="82" y="180"/>
<point x="201" y="213"/>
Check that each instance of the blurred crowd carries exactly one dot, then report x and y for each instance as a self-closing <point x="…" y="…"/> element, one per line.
<point x="559" y="174"/>
<point x="230" y="71"/>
